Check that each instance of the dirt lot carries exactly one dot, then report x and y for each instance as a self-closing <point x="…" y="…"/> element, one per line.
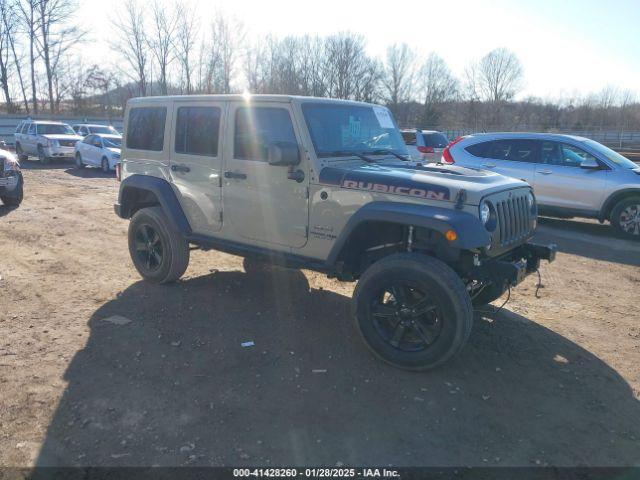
<point x="99" y="368"/>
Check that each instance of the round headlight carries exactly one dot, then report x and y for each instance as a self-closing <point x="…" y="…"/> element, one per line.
<point x="485" y="213"/>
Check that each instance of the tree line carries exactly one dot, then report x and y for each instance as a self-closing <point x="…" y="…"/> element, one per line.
<point x="166" y="48"/>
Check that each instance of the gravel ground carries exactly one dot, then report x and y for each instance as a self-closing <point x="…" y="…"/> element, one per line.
<point x="99" y="368"/>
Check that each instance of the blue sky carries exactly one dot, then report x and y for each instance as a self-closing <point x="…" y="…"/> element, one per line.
<point x="566" y="47"/>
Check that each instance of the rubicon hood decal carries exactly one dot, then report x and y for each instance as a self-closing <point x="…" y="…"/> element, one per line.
<point x="384" y="180"/>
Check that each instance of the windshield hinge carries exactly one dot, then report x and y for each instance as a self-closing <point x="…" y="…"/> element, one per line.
<point x="461" y="197"/>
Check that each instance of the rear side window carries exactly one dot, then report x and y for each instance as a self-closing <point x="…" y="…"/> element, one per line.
<point x="19" y="127"/>
<point x="435" y="140"/>
<point x="478" y="149"/>
<point x="513" y="150"/>
<point x="197" y="130"/>
<point x="145" y="129"/>
<point x="258" y="127"/>
<point x="409" y="138"/>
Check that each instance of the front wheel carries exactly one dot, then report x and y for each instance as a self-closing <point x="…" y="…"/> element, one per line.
<point x="159" y="253"/>
<point x="20" y="153"/>
<point x="413" y="311"/>
<point x="42" y="156"/>
<point x="79" y="163"/>
<point x="105" y="165"/>
<point x="625" y="217"/>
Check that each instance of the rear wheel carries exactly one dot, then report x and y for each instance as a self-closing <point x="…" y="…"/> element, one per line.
<point x="625" y="217"/>
<point x="159" y="253"/>
<point x="413" y="311"/>
<point x="42" y="157"/>
<point x="20" y="153"/>
<point x="79" y="163"/>
<point x="105" y="165"/>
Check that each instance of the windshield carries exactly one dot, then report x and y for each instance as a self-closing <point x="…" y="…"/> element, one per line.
<point x="112" y="142"/>
<point x="340" y="130"/>
<point x="54" y="129"/>
<point x="103" y="129"/>
<point x="615" y="157"/>
<point x="435" y="140"/>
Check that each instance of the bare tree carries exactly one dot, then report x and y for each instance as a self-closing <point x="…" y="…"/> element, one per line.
<point x="29" y="17"/>
<point x="162" y="41"/>
<point x="5" y="52"/>
<point x="56" y="33"/>
<point x="227" y="36"/>
<point x="499" y="75"/>
<point x="398" y="79"/>
<point x="438" y="85"/>
<point x="10" y="19"/>
<point x="131" y="43"/>
<point x="185" y="43"/>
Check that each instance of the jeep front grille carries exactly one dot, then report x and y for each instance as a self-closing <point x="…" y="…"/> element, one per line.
<point x="513" y="220"/>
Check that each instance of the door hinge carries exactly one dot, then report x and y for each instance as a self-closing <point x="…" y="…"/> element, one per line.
<point x="220" y="184"/>
<point x="221" y="216"/>
<point x="306" y="192"/>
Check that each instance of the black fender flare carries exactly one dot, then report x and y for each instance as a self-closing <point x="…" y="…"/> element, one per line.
<point x="471" y="233"/>
<point x="162" y="190"/>
<point x="614" y="198"/>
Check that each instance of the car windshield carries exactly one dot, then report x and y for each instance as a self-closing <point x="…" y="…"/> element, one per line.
<point x="342" y="130"/>
<point x="112" y="142"/>
<point x="615" y="157"/>
<point x="54" y="129"/>
<point x="435" y="140"/>
<point x="103" y="129"/>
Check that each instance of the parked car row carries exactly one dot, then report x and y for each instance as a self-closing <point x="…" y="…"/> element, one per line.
<point x="87" y="144"/>
<point x="571" y="176"/>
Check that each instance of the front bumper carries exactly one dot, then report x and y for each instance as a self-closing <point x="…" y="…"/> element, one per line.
<point x="60" y="152"/>
<point x="512" y="268"/>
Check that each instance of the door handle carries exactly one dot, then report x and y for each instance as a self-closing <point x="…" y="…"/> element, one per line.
<point x="489" y="165"/>
<point x="180" y="168"/>
<point x="238" y="175"/>
<point x="545" y="172"/>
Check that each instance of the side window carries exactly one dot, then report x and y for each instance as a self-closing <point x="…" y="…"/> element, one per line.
<point x="19" y="127"/>
<point x="563" y="154"/>
<point x="258" y="127"/>
<point x="409" y="138"/>
<point x="32" y="129"/>
<point x="197" y="130"/>
<point x="478" y="149"/>
<point x="512" y="150"/>
<point x="84" y="131"/>
<point x="145" y="129"/>
<point x="88" y="139"/>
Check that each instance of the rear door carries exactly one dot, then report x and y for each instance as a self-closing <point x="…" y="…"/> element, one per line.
<point x="560" y="182"/>
<point x="515" y="158"/>
<point x="260" y="200"/>
<point x="196" y="161"/>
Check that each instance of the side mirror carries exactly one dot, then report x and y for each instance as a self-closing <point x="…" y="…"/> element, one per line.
<point x="283" y="153"/>
<point x="590" y="164"/>
<point x="97" y="144"/>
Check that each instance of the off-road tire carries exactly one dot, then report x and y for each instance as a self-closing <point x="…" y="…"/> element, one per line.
<point x="14" y="200"/>
<point x="487" y="295"/>
<point x="104" y="163"/>
<point x="174" y="248"/>
<point x="42" y="157"/>
<point x="446" y="290"/>
<point x="619" y="210"/>
<point x="79" y="164"/>
<point x="21" y="155"/>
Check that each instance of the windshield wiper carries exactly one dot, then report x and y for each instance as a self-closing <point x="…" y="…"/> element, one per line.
<point x="383" y="151"/>
<point x="348" y="153"/>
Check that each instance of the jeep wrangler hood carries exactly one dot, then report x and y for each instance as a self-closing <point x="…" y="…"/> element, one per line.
<point x="430" y="181"/>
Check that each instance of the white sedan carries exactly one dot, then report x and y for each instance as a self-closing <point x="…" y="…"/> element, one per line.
<point x="100" y="151"/>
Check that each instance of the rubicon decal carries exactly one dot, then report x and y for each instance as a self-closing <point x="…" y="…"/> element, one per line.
<point x="393" y="182"/>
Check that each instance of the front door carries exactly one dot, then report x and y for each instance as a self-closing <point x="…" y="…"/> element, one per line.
<point x="560" y="182"/>
<point x="260" y="202"/>
<point x="196" y="159"/>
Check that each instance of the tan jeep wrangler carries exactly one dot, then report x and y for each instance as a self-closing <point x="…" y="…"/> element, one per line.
<point x="326" y="185"/>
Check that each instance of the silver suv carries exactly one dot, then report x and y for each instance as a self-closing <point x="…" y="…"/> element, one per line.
<point x="326" y="185"/>
<point x="46" y="140"/>
<point x="571" y="176"/>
